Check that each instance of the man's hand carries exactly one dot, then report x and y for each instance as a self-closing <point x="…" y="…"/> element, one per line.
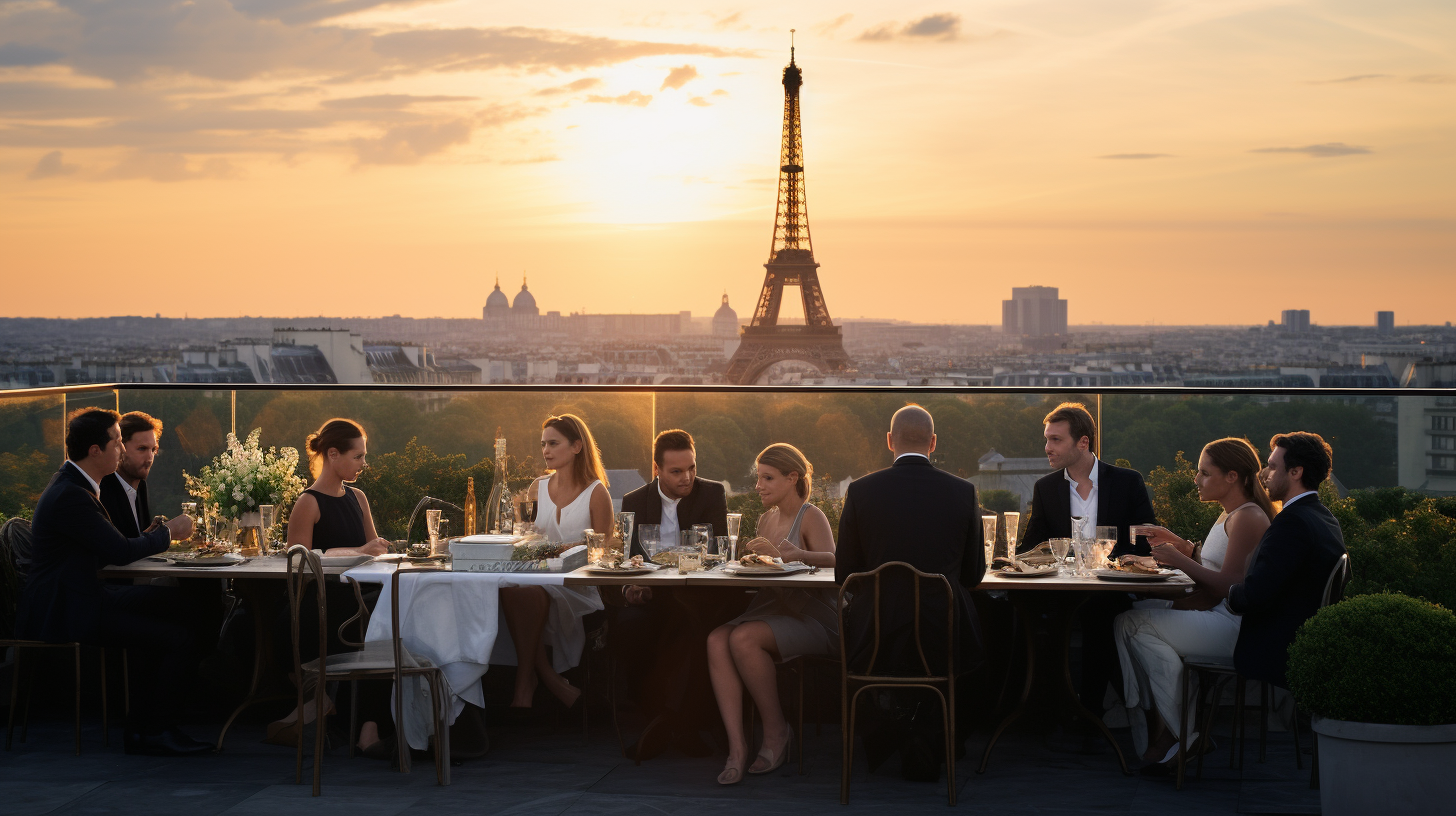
<point x="636" y="595"/>
<point x="180" y="528"/>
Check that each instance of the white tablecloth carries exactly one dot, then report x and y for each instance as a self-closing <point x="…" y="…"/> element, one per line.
<point x="453" y="620"/>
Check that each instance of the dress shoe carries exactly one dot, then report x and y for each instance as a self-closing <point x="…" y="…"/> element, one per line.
<point x="168" y="743"/>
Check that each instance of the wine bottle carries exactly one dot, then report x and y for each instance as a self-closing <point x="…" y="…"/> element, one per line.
<point x="470" y="505"/>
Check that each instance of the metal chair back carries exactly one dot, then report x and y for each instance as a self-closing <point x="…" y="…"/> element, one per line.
<point x="1339" y="577"/>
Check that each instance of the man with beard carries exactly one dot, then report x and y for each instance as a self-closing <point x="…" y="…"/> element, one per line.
<point x="124" y="493"/>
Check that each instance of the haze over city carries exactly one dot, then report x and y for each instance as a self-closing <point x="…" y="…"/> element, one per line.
<point x="1176" y="163"/>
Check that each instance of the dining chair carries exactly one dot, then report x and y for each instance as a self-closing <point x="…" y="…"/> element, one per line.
<point x="376" y="661"/>
<point x="1222" y="669"/>
<point x="853" y="684"/>
<point x="797" y="667"/>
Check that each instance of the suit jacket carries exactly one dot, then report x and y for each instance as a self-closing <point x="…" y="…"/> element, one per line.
<point x="118" y="506"/>
<point x="1284" y="586"/>
<point x="706" y="503"/>
<point x="1122" y="500"/>
<point x="64" y="598"/>
<point x="916" y="513"/>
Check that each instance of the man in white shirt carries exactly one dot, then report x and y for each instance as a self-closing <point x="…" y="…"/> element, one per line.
<point x="124" y="493"/>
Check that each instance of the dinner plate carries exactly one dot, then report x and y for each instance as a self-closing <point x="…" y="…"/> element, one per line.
<point x="224" y="560"/>
<point x="1118" y="575"/>
<point x="767" y="572"/>
<point x="157" y="559"/>
<point x="628" y="571"/>
<point x="1019" y="574"/>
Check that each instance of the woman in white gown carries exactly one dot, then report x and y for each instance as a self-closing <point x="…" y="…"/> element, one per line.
<point x="570" y="499"/>
<point x="1153" y="638"/>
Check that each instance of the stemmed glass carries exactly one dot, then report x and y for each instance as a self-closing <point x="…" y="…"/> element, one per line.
<point x="626" y="520"/>
<point x="1013" y="523"/>
<point x="988" y="534"/>
<point x="1060" y="546"/>
<point x="735" y="520"/>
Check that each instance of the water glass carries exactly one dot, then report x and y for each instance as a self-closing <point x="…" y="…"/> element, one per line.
<point x="988" y="537"/>
<point x="625" y="522"/>
<point x="650" y="535"/>
<point x="1060" y="547"/>
<point x="705" y="535"/>
<point x="728" y="548"/>
<point x="596" y="546"/>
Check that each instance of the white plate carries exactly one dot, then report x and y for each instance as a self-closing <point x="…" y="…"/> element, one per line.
<point x="766" y="572"/>
<point x="224" y="560"/>
<point x="1019" y="574"/>
<point x="1118" y="575"/>
<point x="629" y="571"/>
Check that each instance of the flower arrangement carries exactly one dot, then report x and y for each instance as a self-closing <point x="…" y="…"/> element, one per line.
<point x="246" y="476"/>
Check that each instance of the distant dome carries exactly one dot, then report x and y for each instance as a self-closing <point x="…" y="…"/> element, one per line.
<point x="525" y="303"/>
<point x="725" y="320"/>
<point x="497" y="304"/>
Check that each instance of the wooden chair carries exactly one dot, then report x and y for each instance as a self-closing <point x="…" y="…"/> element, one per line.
<point x="376" y="661"/>
<point x="15" y="541"/>
<point x="1222" y="669"/>
<point x="852" y="685"/>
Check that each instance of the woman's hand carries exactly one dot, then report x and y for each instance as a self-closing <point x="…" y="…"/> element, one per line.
<point x="789" y="552"/>
<point x="1162" y="535"/>
<point x="762" y="546"/>
<point x="1169" y="555"/>
<point x="376" y="547"/>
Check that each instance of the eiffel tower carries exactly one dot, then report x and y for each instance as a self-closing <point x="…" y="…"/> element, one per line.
<point x="790" y="263"/>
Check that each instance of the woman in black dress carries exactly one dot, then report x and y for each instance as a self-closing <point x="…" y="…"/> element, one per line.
<point x="333" y="516"/>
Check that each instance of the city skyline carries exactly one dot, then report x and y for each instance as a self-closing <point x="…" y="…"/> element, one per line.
<point x="1191" y="164"/>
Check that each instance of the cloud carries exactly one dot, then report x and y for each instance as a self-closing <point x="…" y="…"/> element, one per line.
<point x="943" y="26"/>
<point x="169" y="167"/>
<point x="1137" y="156"/>
<point x="570" y="87"/>
<point x="1433" y="79"/>
<point x="50" y="166"/>
<point x="1328" y="150"/>
<point x="23" y="55"/>
<point x="410" y="144"/>
<point x="733" y="22"/>
<point x="700" y="102"/>
<point x="828" y="28"/>
<point x="1350" y="79"/>
<point x="678" y="77"/>
<point x="387" y="101"/>
<point x="718" y="92"/>
<point x="632" y="98"/>
<point x="311" y="11"/>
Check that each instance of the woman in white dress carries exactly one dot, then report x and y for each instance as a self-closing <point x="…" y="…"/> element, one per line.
<point x="570" y="499"/>
<point x="1153" y="638"/>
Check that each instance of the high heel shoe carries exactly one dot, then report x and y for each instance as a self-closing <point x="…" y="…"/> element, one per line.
<point x="287" y="733"/>
<point x="775" y="759"/>
<point x="730" y="776"/>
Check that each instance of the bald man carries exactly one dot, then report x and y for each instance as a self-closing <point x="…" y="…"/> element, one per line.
<point x="914" y="512"/>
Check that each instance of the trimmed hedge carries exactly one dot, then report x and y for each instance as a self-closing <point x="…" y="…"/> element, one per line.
<point x="1377" y="659"/>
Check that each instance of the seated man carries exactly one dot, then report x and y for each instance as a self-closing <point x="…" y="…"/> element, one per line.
<point x="914" y="512"/>
<point x="65" y="600"/>
<point x="124" y="493"/>
<point x="1286" y="582"/>
<point x="660" y="638"/>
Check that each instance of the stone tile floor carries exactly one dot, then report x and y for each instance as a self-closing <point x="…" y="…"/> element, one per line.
<point x="548" y="770"/>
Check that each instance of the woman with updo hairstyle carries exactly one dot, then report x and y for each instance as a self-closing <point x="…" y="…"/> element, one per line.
<point x="1153" y="637"/>
<point x="571" y="498"/>
<point x="332" y="516"/>
<point x="780" y="623"/>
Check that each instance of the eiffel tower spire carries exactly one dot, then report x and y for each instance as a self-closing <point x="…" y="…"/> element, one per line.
<point x="790" y="262"/>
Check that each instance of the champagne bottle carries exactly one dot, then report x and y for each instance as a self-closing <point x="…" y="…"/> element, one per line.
<point x="470" y="505"/>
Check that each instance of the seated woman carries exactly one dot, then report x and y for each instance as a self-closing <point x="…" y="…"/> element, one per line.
<point x="780" y="623"/>
<point x="334" y="517"/>
<point x="572" y="498"/>
<point x="1153" y="638"/>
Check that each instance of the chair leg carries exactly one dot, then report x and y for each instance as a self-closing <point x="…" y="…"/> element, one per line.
<point x="947" y="714"/>
<point x="1263" y="720"/>
<point x="126" y="686"/>
<point x="298" y="751"/>
<point x="1298" y="754"/>
<point x="14" y="696"/>
<point x="105" y="723"/>
<point x="320" y="732"/>
<point x="1240" y="692"/>
<point x="799" y="734"/>
<point x="353" y="715"/>
<point x="76" y="656"/>
<point x="846" y="733"/>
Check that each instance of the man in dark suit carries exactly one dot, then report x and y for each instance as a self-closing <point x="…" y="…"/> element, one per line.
<point x="65" y="600"/>
<point x="914" y="512"/>
<point x="1285" y="585"/>
<point x="660" y="637"/>
<point x="124" y="493"/>
<point x="1103" y="495"/>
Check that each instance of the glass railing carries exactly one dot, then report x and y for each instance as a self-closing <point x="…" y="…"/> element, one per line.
<point x="425" y="439"/>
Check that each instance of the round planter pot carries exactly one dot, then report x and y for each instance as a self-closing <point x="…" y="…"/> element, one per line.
<point x="1375" y="768"/>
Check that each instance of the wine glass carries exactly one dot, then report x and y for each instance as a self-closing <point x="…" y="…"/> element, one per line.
<point x="625" y="522"/>
<point x="650" y="537"/>
<point x="1013" y="523"/>
<point x="1060" y="546"/>
<point x="988" y="537"/>
<point x="735" y="521"/>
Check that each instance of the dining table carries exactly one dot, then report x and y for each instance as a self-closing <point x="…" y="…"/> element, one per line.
<point x="1059" y="595"/>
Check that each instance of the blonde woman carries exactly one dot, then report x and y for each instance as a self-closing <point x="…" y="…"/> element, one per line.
<point x="571" y="498"/>
<point x="780" y="623"/>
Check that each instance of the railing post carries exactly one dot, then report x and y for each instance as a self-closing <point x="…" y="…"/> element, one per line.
<point x="233" y="422"/>
<point x="63" y="429"/>
<point x="1099" y="426"/>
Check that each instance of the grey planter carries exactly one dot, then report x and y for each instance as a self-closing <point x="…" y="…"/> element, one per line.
<point x="1375" y="768"/>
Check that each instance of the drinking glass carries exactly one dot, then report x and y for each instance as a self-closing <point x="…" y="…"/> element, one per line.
<point x="706" y="541"/>
<point x="650" y="536"/>
<point x="988" y="537"/>
<point x="596" y="546"/>
<point x="1106" y="541"/>
<point x="735" y="521"/>
<point x="1060" y="546"/>
<point x="1013" y="524"/>
<point x="625" y="521"/>
<point x="726" y="549"/>
<point x="269" y="515"/>
<point x="1082" y="554"/>
<point x="689" y="562"/>
<point x="432" y="525"/>
<point x="1079" y="528"/>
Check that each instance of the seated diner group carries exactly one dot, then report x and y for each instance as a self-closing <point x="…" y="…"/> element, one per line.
<point x="1257" y="575"/>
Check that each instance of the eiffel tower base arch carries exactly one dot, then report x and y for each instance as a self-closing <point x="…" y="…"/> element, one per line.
<point x="762" y="347"/>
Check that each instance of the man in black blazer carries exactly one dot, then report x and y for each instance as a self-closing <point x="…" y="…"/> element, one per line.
<point x="659" y="636"/>
<point x="1286" y="582"/>
<point x="917" y="513"/>
<point x="65" y="600"/>
<point x="1104" y="495"/>
<point x="124" y="493"/>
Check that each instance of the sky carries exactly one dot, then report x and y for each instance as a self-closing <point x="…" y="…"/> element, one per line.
<point x="1176" y="162"/>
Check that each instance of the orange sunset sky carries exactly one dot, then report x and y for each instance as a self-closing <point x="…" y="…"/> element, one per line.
<point x="1169" y="162"/>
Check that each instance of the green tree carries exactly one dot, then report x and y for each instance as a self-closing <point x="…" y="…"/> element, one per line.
<point x="1001" y="501"/>
<point x="1175" y="500"/>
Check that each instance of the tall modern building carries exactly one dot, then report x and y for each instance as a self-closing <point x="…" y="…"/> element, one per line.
<point x="1034" y="311"/>
<point x="1294" y="320"/>
<point x="1385" y="322"/>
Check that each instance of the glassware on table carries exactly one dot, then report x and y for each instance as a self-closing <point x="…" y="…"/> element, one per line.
<point x="689" y="562"/>
<point x="1106" y="540"/>
<point x="596" y="545"/>
<point x="269" y="515"/>
<point x="432" y="526"/>
<point x="706" y="541"/>
<point x="625" y="521"/>
<point x="735" y="523"/>
<point x="1082" y="557"/>
<point x="1060" y="547"/>
<point x="726" y="549"/>
<point x="650" y="536"/>
<point x="988" y="538"/>
<point x="1013" y="530"/>
<point x="401" y="546"/>
<point x="1079" y="528"/>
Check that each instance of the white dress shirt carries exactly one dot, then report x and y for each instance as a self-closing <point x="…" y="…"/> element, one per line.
<point x="96" y="488"/>
<point x="131" y="496"/>
<point x="1086" y="508"/>
<point x="1288" y="502"/>
<point x="669" y="519"/>
<point x="903" y="455"/>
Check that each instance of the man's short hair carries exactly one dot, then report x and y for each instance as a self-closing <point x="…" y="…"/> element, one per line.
<point x="912" y="426"/>
<point x="1079" y="420"/>
<point x="670" y="441"/>
<point x="135" y="422"/>
<point x="1307" y="450"/>
<point x="86" y="427"/>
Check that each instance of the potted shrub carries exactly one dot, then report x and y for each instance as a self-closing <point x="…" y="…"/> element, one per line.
<point x="1379" y="674"/>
